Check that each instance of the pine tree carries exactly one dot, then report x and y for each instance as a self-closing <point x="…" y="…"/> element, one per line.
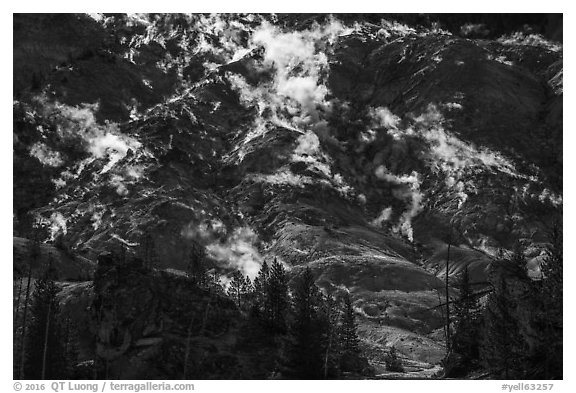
<point x="247" y="291"/>
<point x="45" y="353"/>
<point x="147" y="251"/>
<point x="393" y="362"/>
<point x="349" y="345"/>
<point x="71" y="344"/>
<point x="196" y="268"/>
<point x="259" y="291"/>
<point x="518" y="262"/>
<point x="447" y="291"/>
<point x="276" y="302"/>
<point x="17" y="298"/>
<point x="262" y="278"/>
<point x="120" y="253"/>
<point x="549" y="318"/>
<point x="34" y="260"/>
<point x="331" y="314"/>
<point x="465" y="339"/>
<point x="503" y="348"/>
<point x="15" y="327"/>
<point x="308" y="330"/>
<point x="348" y="335"/>
<point x="237" y="288"/>
<point x="213" y="283"/>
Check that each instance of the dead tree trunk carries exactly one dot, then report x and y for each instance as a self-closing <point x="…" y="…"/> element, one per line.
<point x="201" y="332"/>
<point x="330" y="334"/>
<point x="46" y="332"/>
<point x="24" y="323"/>
<point x="441" y="308"/>
<point x="187" y="353"/>
<point x="18" y="298"/>
<point x="448" y="297"/>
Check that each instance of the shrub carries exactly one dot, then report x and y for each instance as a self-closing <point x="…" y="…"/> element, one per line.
<point x="393" y="362"/>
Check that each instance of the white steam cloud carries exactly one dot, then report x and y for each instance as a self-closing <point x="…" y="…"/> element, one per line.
<point x="446" y="154"/>
<point x="452" y="155"/>
<point x="295" y="98"/>
<point x="56" y="224"/>
<point x="238" y="251"/>
<point x="383" y="117"/>
<point x="298" y="60"/>
<point x="45" y="155"/>
<point x="297" y="94"/>
<point x="104" y="142"/>
<point x="308" y="144"/>
<point x="384" y="216"/>
<point x="407" y="189"/>
<point x="207" y="230"/>
<point x="79" y="124"/>
<point x="284" y="177"/>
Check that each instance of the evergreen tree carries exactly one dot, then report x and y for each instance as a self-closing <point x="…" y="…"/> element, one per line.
<point x="45" y="353"/>
<point x="264" y="273"/>
<point x="147" y="251"/>
<point x="465" y="343"/>
<point x="518" y="262"/>
<point x="350" y="355"/>
<point x="393" y="362"/>
<point x="15" y="327"/>
<point x="306" y="356"/>
<point x="237" y="288"/>
<point x="348" y="335"/>
<point x="211" y="281"/>
<point x="259" y="291"/>
<point x="504" y="347"/>
<point x="71" y="344"/>
<point x="34" y="260"/>
<point x="247" y="291"/>
<point x="331" y="314"/>
<point x="276" y="302"/>
<point x="120" y="253"/>
<point x="549" y="318"/>
<point x="17" y="293"/>
<point x="196" y="268"/>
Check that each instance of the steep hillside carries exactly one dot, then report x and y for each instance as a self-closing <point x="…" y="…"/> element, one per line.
<point x="357" y="148"/>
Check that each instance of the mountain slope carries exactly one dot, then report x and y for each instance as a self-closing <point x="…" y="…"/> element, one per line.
<point x="358" y="150"/>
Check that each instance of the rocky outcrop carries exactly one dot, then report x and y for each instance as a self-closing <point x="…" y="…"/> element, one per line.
<point x="85" y="62"/>
<point x="134" y="323"/>
<point x="62" y="264"/>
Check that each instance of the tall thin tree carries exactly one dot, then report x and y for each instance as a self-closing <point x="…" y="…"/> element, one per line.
<point x="276" y="298"/>
<point x="45" y="356"/>
<point x="34" y="258"/>
<point x="447" y="289"/>
<point x="308" y="330"/>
